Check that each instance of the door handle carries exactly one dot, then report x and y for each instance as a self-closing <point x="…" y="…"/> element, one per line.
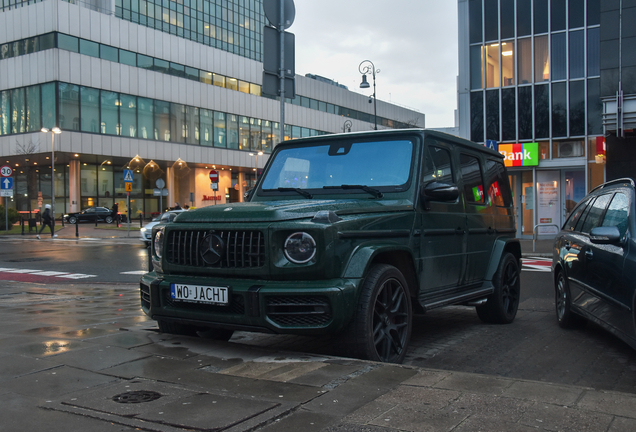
<point x="589" y="254"/>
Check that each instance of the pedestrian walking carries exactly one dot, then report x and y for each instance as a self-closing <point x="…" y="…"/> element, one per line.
<point x="116" y="213"/>
<point x="47" y="220"/>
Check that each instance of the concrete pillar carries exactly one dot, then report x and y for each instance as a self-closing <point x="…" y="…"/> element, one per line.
<point x="74" y="191"/>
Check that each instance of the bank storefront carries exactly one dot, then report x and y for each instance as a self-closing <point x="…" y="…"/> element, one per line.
<point x="548" y="181"/>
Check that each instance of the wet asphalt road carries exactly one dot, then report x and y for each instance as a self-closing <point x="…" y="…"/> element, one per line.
<point x="533" y="347"/>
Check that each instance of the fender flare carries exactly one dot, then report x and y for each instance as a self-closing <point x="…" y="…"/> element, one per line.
<point x="501" y="246"/>
<point x="362" y="256"/>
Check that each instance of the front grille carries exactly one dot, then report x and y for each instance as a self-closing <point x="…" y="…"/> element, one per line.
<point x="242" y="249"/>
<point x="144" y="291"/>
<point x="236" y="306"/>
<point x="299" y="310"/>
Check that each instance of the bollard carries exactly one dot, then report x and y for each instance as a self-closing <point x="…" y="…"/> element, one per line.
<point x="95" y="221"/>
<point x="76" y="228"/>
<point x="22" y="223"/>
<point x="141" y="225"/>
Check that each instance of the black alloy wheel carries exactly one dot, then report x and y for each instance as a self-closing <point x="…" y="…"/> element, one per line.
<point x="502" y="304"/>
<point x="563" y="301"/>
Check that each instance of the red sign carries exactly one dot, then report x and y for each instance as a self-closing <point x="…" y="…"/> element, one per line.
<point x="211" y="198"/>
<point x="214" y="176"/>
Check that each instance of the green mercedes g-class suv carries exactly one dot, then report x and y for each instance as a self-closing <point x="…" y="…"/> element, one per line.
<point x="349" y="235"/>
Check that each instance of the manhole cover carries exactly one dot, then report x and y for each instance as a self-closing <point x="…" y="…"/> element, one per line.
<point x="134" y="397"/>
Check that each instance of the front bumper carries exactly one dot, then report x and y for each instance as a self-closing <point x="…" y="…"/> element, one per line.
<point x="293" y="307"/>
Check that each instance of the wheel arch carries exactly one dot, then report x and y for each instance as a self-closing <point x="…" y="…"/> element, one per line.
<point x="500" y="248"/>
<point x="400" y="258"/>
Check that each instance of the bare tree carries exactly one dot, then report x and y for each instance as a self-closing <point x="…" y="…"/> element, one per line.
<point x="27" y="150"/>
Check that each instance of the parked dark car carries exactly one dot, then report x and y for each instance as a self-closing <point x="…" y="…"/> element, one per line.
<point x="594" y="262"/>
<point x="102" y="214"/>
<point x="349" y="235"/>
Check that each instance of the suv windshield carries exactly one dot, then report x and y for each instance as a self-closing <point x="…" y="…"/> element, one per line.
<point x="345" y="165"/>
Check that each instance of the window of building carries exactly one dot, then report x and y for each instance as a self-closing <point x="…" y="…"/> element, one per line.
<point x="508" y="63"/>
<point x="577" y="54"/>
<point x="491" y="20"/>
<point x="206" y="120"/>
<point x="473" y="181"/>
<point x="593" y="52"/>
<point x="255" y="134"/>
<point x="541" y="59"/>
<point x="244" y="133"/>
<point x="145" y="62"/>
<point x="492" y="115"/>
<point x="110" y="113"/>
<point x="559" y="57"/>
<point x="68" y="43"/>
<point x="594" y="107"/>
<point x="89" y="48"/>
<point x="577" y="108"/>
<point x="127" y="58"/>
<point x="477" y="116"/>
<point x="18" y="111"/>
<point x="524" y="112"/>
<point x="178" y="123"/>
<point x="231" y="83"/>
<point x="160" y="66"/>
<point x="232" y="132"/>
<point x="89" y="109"/>
<point x="476" y="67"/>
<point x="48" y="106"/>
<point x="5" y="104"/>
<point x="220" y="134"/>
<point x="593" y="12"/>
<point x="34" y="109"/>
<point x="544" y="149"/>
<point x="507" y="18"/>
<point x="145" y="118"/>
<point x="218" y="80"/>
<point x="267" y="139"/>
<point x="177" y="70"/>
<point x="109" y="53"/>
<point x="540" y="16"/>
<point x="568" y="149"/>
<point x="557" y="15"/>
<point x="128" y="115"/>
<point x="508" y="119"/>
<point x="542" y="111"/>
<point x="492" y="65"/>
<point x="524" y="17"/>
<point x="576" y="13"/>
<point x="524" y="63"/>
<point x="243" y="87"/>
<point x="559" y="110"/>
<point x="162" y="121"/>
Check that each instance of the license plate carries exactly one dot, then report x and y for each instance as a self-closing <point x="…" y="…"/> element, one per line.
<point x="199" y="294"/>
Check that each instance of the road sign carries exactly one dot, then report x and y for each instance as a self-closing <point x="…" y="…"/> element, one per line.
<point x="128" y="187"/>
<point x="6" y="171"/>
<point x="272" y="12"/>
<point x="6" y="183"/>
<point x="214" y="186"/>
<point x="128" y="176"/>
<point x="214" y="176"/>
<point x="160" y="192"/>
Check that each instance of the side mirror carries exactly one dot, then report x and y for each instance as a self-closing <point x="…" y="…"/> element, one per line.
<point x="438" y="191"/>
<point x="605" y="235"/>
<point x="247" y="196"/>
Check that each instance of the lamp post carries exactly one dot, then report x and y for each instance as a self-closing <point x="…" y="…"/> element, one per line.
<point x="56" y="130"/>
<point x="366" y="67"/>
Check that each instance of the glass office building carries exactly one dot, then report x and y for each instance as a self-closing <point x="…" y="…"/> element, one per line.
<point x="529" y="84"/>
<point x="168" y="89"/>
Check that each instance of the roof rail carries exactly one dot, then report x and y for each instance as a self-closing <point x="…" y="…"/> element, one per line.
<point x="612" y="182"/>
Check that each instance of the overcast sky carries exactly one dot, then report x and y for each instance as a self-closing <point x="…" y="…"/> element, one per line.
<point x="412" y="42"/>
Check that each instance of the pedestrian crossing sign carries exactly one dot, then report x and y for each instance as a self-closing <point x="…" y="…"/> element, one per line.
<point x="128" y="176"/>
<point x="128" y="187"/>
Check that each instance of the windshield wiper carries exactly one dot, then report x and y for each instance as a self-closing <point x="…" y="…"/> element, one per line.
<point x="376" y="193"/>
<point x="297" y="190"/>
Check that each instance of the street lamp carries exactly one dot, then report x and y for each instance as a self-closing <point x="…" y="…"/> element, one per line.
<point x="56" y="130"/>
<point x="366" y="67"/>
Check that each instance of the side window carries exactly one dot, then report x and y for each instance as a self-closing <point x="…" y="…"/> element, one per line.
<point x="617" y="213"/>
<point x="594" y="214"/>
<point x="570" y="224"/>
<point x="498" y="187"/>
<point x="437" y="166"/>
<point x="473" y="181"/>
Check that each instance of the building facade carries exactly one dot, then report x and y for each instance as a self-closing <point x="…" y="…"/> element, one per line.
<point x="168" y="89"/>
<point x="530" y="84"/>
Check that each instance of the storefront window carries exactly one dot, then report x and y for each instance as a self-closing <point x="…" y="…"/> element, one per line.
<point x="548" y="202"/>
<point x="574" y="189"/>
<point x="527" y="203"/>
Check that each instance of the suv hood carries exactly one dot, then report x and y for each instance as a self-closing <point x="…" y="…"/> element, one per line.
<point x="268" y="211"/>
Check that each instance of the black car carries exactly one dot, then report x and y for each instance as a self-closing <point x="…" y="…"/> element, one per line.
<point x="102" y="214"/>
<point x="594" y="262"/>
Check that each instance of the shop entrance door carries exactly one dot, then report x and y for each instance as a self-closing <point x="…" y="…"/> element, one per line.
<point x="523" y="200"/>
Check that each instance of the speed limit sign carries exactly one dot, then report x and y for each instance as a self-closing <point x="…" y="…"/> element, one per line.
<point x="6" y="171"/>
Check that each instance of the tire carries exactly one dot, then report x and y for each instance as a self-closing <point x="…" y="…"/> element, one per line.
<point x="177" y="329"/>
<point x="217" y="334"/>
<point x="108" y="219"/>
<point x="72" y="220"/>
<point x="562" y="300"/>
<point x="380" y="329"/>
<point x="502" y="304"/>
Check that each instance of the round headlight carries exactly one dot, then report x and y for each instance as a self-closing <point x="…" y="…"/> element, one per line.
<point x="300" y="248"/>
<point x="158" y="243"/>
